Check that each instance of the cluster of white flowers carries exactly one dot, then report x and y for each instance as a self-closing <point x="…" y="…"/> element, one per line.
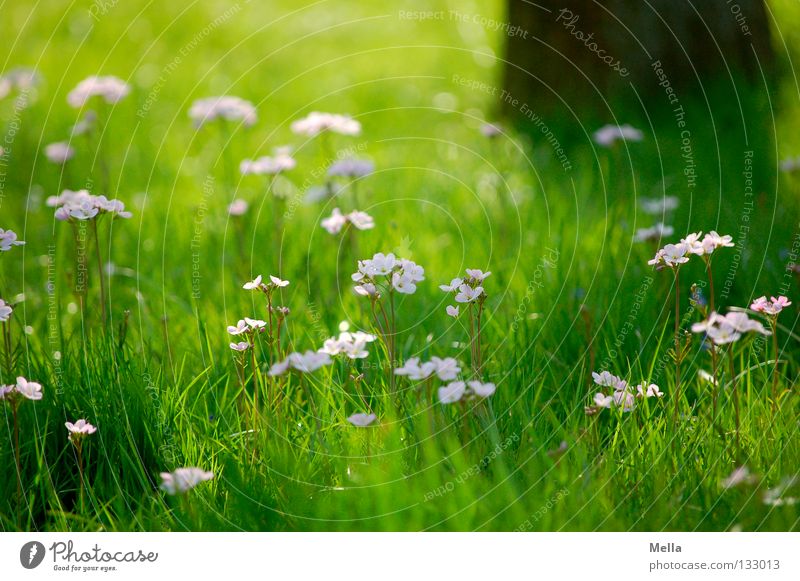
<point x="622" y="395"/>
<point x="82" y="205"/>
<point x="362" y="420"/>
<point x="21" y="79"/>
<point x="401" y="274"/>
<point x="729" y="328"/>
<point x="59" y="152"/>
<point x="258" y="284"/>
<point x="22" y="389"/>
<point x="183" y="480"/>
<point x="8" y="239"/>
<point x="771" y="307"/>
<point x="280" y="161"/>
<point x="351" y="168"/>
<point x="5" y="311"/>
<point x="353" y="345"/>
<point x="467" y="290"/>
<point x="658" y="206"/>
<point x="316" y="122"/>
<point x="246" y="327"/>
<point x="673" y="255"/>
<point x="654" y="233"/>
<point x="238" y="207"/>
<point x="336" y="221"/>
<point x="457" y="390"/>
<point x="445" y="369"/>
<point x="307" y="362"/>
<point x="225" y="107"/>
<point x="607" y="135"/>
<point x="110" y="89"/>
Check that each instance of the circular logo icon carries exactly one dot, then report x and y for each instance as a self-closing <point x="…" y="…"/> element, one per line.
<point x="31" y="554"/>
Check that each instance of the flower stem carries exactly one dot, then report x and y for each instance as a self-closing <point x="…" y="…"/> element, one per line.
<point x="734" y="393"/>
<point x="677" y="347"/>
<point x="775" y="371"/>
<point x="100" y="270"/>
<point x="16" y="454"/>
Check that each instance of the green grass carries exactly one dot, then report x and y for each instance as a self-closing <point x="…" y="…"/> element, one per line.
<point x="162" y="388"/>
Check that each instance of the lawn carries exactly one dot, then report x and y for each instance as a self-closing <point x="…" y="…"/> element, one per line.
<point x="570" y="290"/>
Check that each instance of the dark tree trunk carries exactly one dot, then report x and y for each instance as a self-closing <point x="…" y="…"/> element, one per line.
<point x="584" y="51"/>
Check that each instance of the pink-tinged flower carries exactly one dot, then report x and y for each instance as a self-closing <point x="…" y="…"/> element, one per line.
<point x="693" y="244"/>
<point x="5" y="311"/>
<point x="255" y="324"/>
<point x="183" y="480"/>
<point x="491" y="130"/>
<point x="453" y="286"/>
<point x="602" y="400"/>
<point x="254" y="284"/>
<point x="728" y="329"/>
<point x="351" y="168"/>
<point x="278" y="282"/>
<point x="8" y="239"/>
<point x="672" y="255"/>
<point x="712" y="241"/>
<point x="28" y="389"/>
<point x="79" y="430"/>
<point x="467" y="294"/>
<point x="59" y="152"/>
<point x="350" y="344"/>
<point x="240" y="346"/>
<point x="452" y="392"/>
<point x="740" y="475"/>
<point x="452" y="310"/>
<point x="317" y="122"/>
<point x="366" y="290"/>
<point x="238" y="208"/>
<point x="771" y="307"/>
<point x="361" y="220"/>
<point x="362" y="420"/>
<point x="481" y="389"/>
<point x="744" y="324"/>
<point x="225" y="107"/>
<point x="651" y="390"/>
<point x="656" y="206"/>
<point x="307" y="362"/>
<point x="110" y="89"/>
<point x="606" y="379"/>
<point x="281" y="162"/>
<point x="607" y="135"/>
<point x="476" y="275"/>
<point x="239" y="328"/>
<point x="624" y="399"/>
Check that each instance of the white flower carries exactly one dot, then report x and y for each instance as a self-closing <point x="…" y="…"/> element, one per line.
<point x="81" y="205"/>
<point x="491" y="130"/>
<point x="266" y="165"/>
<point x="381" y="264"/>
<point x="452" y="392"/>
<point x="651" y="390"/>
<point x="5" y="311"/>
<point x="412" y="270"/>
<point x="723" y="333"/>
<point x="606" y="379"/>
<point x="335" y="222"/>
<point x="414" y="371"/>
<point x="453" y="286"/>
<point x="59" y="152"/>
<point x="317" y="122"/>
<point x="226" y="107"/>
<point x="403" y="284"/>
<point x="482" y="389"/>
<point x="467" y="294"/>
<point x="238" y="208"/>
<point x="452" y="310"/>
<point x="361" y="220"/>
<point x="183" y="480"/>
<point x="254" y="284"/>
<point x="656" y="206"/>
<point x="447" y="369"/>
<point x="28" y="389"/>
<point x="307" y="362"/>
<point x="240" y="346"/>
<point x="255" y="324"/>
<point x="350" y="344"/>
<point x="624" y="399"/>
<point x="740" y="475"/>
<point x="602" y="400"/>
<point x="671" y="255"/>
<point x="110" y="89"/>
<point x="477" y="275"/>
<point x="80" y="429"/>
<point x="607" y="135"/>
<point x="351" y="168"/>
<point x="241" y="327"/>
<point x="366" y="290"/>
<point x="693" y="244"/>
<point x="653" y="233"/>
<point x="712" y="241"/>
<point x="278" y="282"/>
<point x="8" y="238"/>
<point x="362" y="420"/>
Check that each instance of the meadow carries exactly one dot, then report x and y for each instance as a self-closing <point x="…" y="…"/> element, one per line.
<point x="141" y="326"/>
